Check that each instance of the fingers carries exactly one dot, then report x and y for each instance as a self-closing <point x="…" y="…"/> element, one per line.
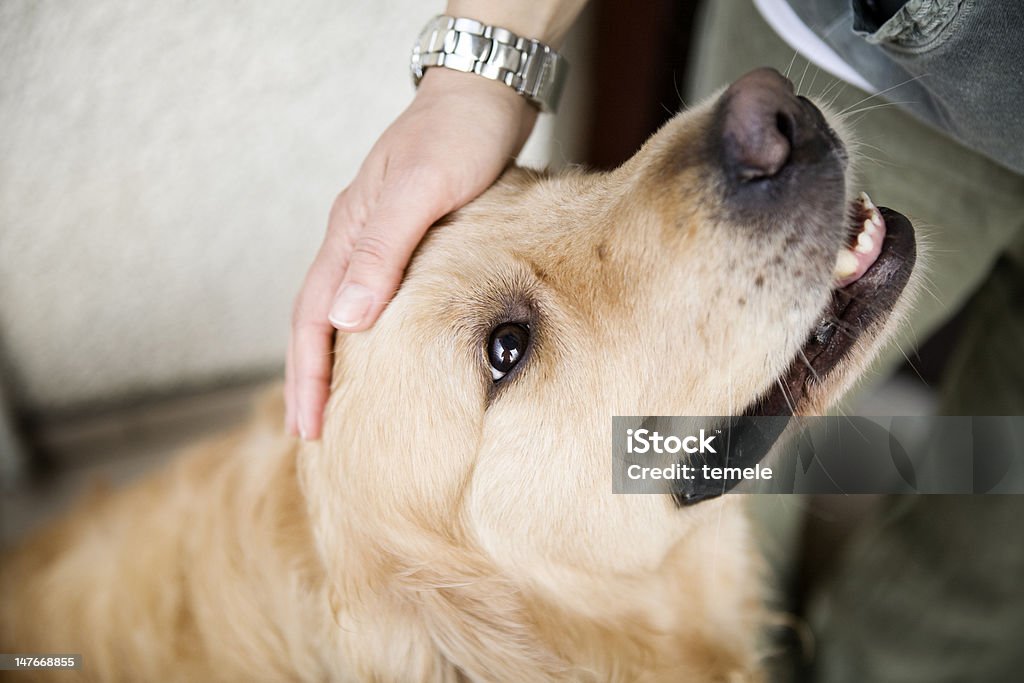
<point x="312" y="342"/>
<point x="309" y="358"/>
<point x="372" y="265"/>
<point x="291" y="424"/>
<point x="381" y="252"/>
<point x="406" y="183"/>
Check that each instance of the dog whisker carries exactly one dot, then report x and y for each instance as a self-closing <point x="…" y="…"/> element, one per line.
<point x="814" y="77"/>
<point x="803" y="357"/>
<point x="791" y="62"/>
<point x="837" y="94"/>
<point x="785" y="395"/>
<point x="679" y="92"/>
<point x="872" y="107"/>
<point x="882" y="92"/>
<point x="802" y="75"/>
<point x="910" y="363"/>
<point x="824" y="93"/>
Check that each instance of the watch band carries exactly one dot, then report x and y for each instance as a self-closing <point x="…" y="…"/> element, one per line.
<point x="530" y="67"/>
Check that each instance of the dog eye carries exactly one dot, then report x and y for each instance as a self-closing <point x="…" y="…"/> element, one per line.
<point x="506" y="347"/>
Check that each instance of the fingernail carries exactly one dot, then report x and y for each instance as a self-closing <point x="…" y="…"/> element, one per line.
<point x="351" y="306"/>
<point x="302" y="427"/>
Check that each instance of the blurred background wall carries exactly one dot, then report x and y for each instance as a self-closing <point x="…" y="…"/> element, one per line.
<point x="166" y="172"/>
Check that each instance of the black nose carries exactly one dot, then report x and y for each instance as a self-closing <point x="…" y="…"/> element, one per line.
<point x="765" y="126"/>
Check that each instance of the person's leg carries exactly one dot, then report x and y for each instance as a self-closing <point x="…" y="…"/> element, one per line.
<point x="985" y="376"/>
<point x="928" y="589"/>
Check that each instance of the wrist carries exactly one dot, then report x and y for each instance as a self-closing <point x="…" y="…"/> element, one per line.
<point x="448" y="82"/>
<point x="446" y="88"/>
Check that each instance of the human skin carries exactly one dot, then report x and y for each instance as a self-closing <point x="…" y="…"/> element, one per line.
<point x="451" y="143"/>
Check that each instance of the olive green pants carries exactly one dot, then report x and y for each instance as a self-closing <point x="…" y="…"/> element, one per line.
<point x="931" y="588"/>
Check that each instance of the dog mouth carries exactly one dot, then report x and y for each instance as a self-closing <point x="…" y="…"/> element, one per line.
<point x="872" y="268"/>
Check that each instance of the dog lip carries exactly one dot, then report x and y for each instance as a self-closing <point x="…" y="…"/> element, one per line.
<point x="852" y="311"/>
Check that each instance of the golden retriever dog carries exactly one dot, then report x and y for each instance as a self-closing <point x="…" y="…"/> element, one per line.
<point x="457" y="520"/>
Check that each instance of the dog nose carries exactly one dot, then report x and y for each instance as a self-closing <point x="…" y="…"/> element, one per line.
<point x="761" y="119"/>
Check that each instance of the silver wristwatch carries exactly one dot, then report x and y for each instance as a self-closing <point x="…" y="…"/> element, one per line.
<point x="531" y="68"/>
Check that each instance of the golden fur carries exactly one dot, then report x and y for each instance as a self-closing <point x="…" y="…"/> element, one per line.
<point x="447" y="528"/>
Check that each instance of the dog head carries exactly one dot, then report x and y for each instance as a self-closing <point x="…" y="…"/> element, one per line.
<point x="700" y="278"/>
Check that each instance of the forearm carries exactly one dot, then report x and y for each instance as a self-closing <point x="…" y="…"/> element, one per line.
<point x="545" y="20"/>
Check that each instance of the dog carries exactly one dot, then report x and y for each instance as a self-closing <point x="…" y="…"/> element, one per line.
<point x="456" y="522"/>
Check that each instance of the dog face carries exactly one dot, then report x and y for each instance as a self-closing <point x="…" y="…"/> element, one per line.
<point x="693" y="280"/>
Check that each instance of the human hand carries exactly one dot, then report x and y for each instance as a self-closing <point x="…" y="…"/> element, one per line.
<point x="451" y="143"/>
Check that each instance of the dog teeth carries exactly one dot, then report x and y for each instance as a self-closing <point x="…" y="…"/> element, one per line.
<point x="864" y="243"/>
<point x="853" y="259"/>
<point x="846" y="264"/>
<point x="875" y="218"/>
<point x="874" y="215"/>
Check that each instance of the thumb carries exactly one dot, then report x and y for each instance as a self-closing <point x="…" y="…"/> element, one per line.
<point x="380" y="255"/>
